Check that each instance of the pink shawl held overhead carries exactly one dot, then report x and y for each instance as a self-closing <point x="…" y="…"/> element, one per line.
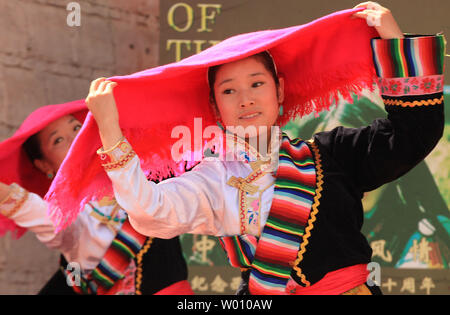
<point x="320" y="60"/>
<point x="16" y="167"/>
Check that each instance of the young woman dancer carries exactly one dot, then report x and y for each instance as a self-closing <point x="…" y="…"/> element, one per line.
<point x="111" y="257"/>
<point x="289" y="217"/>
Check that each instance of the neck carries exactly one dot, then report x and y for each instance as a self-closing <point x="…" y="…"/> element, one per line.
<point x="263" y="141"/>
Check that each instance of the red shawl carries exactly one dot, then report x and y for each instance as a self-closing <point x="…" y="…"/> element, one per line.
<point x="320" y="60"/>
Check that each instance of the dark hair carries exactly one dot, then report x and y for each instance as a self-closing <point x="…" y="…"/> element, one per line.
<point x="265" y="58"/>
<point x="32" y="147"/>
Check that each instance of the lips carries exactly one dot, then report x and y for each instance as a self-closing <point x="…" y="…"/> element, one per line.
<point x="250" y="115"/>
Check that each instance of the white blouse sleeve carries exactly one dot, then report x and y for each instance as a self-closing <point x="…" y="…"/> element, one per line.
<point x="28" y="210"/>
<point x="190" y="203"/>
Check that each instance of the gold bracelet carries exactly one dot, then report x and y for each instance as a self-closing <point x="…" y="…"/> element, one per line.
<point x="11" y="190"/>
<point x="18" y="203"/>
<point x="121" y="163"/>
<point x="101" y="151"/>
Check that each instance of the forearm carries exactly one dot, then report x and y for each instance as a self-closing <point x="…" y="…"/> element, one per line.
<point x="110" y="134"/>
<point x="411" y="82"/>
<point x="187" y="204"/>
<point x="389" y="147"/>
<point x="29" y="211"/>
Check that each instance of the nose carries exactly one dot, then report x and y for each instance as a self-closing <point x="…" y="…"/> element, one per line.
<point x="246" y="100"/>
<point x="71" y="137"/>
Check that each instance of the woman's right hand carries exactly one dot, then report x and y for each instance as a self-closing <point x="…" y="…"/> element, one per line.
<point x="102" y="105"/>
<point x="5" y="190"/>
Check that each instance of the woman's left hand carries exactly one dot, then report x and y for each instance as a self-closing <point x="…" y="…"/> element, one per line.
<point x="381" y="18"/>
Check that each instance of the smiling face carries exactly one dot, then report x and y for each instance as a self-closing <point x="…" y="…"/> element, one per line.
<point x="54" y="143"/>
<point x="246" y="94"/>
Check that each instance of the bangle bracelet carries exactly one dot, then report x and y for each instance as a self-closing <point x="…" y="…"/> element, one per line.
<point x="18" y="203"/>
<point x="101" y="151"/>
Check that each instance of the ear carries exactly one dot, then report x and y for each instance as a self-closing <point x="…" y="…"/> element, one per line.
<point x="280" y="90"/>
<point x="43" y="166"/>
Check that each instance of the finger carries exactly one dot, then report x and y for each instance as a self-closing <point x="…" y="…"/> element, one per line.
<point x="369" y="5"/>
<point x="361" y="5"/>
<point x="95" y="84"/>
<point x="110" y="87"/>
<point x="101" y="87"/>
<point x="366" y="13"/>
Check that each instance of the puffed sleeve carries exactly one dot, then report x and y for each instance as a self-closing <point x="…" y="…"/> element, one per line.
<point x="28" y="210"/>
<point x="190" y="203"/>
<point x="411" y="82"/>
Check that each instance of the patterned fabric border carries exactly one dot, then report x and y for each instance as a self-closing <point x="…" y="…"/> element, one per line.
<point x="272" y="257"/>
<point x="414" y="101"/>
<point x="411" y="85"/>
<point x="116" y="157"/>
<point x="413" y="56"/>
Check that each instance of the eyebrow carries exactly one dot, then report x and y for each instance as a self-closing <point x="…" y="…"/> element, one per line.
<point x="251" y="75"/>
<point x="54" y="132"/>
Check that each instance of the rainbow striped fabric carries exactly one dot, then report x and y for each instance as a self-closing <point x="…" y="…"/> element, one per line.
<point x="409" y="57"/>
<point x="111" y="268"/>
<point x="271" y="257"/>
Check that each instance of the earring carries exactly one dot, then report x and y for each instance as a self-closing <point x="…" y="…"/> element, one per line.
<point x="50" y="175"/>
<point x="281" y="110"/>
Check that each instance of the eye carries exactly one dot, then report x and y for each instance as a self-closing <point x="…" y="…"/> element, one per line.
<point x="257" y="84"/>
<point x="58" y="140"/>
<point x="228" y="91"/>
<point x="77" y="127"/>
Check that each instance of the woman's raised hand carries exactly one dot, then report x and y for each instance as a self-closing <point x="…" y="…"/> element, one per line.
<point x="102" y="105"/>
<point x="381" y="18"/>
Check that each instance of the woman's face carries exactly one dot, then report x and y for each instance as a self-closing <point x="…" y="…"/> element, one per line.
<point x="246" y="94"/>
<point x="55" y="140"/>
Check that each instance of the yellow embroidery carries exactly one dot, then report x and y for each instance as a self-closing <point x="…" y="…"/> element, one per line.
<point x="17" y="198"/>
<point x="315" y="210"/>
<point x="242" y="184"/>
<point x="139" y="257"/>
<point x="106" y="201"/>
<point x="121" y="163"/>
<point x="109" y="222"/>
<point x="390" y="102"/>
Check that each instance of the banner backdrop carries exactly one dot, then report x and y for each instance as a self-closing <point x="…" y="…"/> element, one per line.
<point x="407" y="222"/>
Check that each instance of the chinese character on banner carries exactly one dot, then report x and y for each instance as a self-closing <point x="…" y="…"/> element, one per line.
<point x="427" y="284"/>
<point x="199" y="284"/>
<point x="389" y="284"/>
<point x="202" y="247"/>
<point x="378" y="250"/>
<point x="421" y="251"/>
<point x="409" y="285"/>
<point x="218" y="285"/>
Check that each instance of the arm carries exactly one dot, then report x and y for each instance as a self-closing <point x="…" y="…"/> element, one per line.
<point x="191" y="203"/>
<point x="410" y="77"/>
<point x="28" y="210"/>
<point x="410" y="72"/>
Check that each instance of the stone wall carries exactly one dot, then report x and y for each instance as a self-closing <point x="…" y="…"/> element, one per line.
<point x="44" y="61"/>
